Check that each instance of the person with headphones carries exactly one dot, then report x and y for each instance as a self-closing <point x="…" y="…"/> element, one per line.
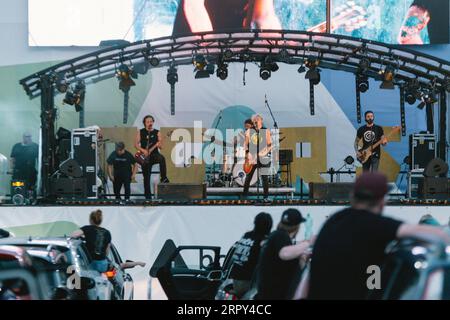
<point x="146" y="139"/>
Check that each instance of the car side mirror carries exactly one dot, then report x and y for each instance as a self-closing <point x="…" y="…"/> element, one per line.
<point x="87" y="283"/>
<point x="216" y="275"/>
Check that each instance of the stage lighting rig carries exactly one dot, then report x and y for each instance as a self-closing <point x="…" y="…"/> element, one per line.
<point x="388" y="75"/>
<point x="61" y="83"/>
<point x="203" y="69"/>
<point x="154" y="61"/>
<point x="412" y="91"/>
<point x="447" y="85"/>
<point x="428" y="97"/>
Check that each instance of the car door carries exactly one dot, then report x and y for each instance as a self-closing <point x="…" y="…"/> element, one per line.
<point x="188" y="272"/>
<point x="103" y="287"/>
<point x="123" y="282"/>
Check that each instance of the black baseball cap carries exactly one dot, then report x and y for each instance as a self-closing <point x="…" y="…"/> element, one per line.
<point x="292" y="217"/>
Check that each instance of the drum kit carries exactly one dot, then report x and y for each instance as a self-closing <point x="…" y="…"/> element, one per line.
<point x="232" y="175"/>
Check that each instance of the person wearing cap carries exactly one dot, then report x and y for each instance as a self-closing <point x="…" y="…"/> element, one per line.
<point x="354" y="240"/>
<point x="246" y="253"/>
<point x="279" y="263"/>
<point x="23" y="161"/>
<point x="121" y="170"/>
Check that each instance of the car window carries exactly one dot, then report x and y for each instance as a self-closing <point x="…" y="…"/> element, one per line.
<point x="83" y="258"/>
<point x="195" y="259"/>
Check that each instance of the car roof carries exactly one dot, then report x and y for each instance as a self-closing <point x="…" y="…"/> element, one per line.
<point x="40" y="241"/>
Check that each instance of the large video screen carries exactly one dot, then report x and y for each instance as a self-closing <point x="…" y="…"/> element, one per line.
<point x="88" y="22"/>
<point x="392" y="21"/>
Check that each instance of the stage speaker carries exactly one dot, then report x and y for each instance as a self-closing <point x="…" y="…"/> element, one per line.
<point x="71" y="168"/>
<point x="339" y="191"/>
<point x="436" y="168"/>
<point x="181" y="191"/>
<point x="286" y="156"/>
<point x="435" y="188"/>
<point x="69" y="188"/>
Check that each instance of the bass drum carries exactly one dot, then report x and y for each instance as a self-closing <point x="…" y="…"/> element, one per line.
<point x="239" y="175"/>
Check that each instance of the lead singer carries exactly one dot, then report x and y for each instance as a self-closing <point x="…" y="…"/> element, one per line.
<point x="258" y="145"/>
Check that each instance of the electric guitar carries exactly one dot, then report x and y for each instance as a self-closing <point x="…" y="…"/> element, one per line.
<point x="367" y="153"/>
<point x="349" y="15"/>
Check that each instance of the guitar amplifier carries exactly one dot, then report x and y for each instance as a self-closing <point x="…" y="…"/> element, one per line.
<point x="85" y="152"/>
<point x="436" y="188"/>
<point x="181" y="191"/>
<point x="69" y="188"/>
<point x="338" y="191"/>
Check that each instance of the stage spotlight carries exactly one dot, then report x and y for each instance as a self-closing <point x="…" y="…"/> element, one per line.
<point x="349" y="160"/>
<point x="364" y="65"/>
<point x="363" y="83"/>
<point x="61" y="83"/>
<point x="447" y="84"/>
<point x="75" y="96"/>
<point x="264" y="72"/>
<point x="313" y="74"/>
<point x="222" y="71"/>
<point x="228" y="54"/>
<point x="428" y="98"/>
<point x="154" y="61"/>
<point x="172" y="75"/>
<point x="172" y="78"/>
<point x="388" y="78"/>
<point x="199" y="62"/>
<point x="124" y="74"/>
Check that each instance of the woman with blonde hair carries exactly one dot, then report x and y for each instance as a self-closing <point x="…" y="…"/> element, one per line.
<point x="98" y="241"/>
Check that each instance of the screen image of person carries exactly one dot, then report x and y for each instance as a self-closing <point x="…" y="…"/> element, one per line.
<point x="392" y="21"/>
<point x="208" y="15"/>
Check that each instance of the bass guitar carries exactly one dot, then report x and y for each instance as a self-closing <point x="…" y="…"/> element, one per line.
<point x="367" y="153"/>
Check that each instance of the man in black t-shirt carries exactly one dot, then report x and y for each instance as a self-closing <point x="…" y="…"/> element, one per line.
<point x="148" y="141"/>
<point x="98" y="241"/>
<point x="121" y="169"/>
<point x="370" y="134"/>
<point x="353" y="241"/>
<point x="431" y="14"/>
<point x="246" y="254"/>
<point x="279" y="264"/>
<point x="24" y="157"/>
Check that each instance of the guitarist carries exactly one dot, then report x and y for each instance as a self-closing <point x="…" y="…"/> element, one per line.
<point x="146" y="138"/>
<point x="370" y="134"/>
<point x="258" y="145"/>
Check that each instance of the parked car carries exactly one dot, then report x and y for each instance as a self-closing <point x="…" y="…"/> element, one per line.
<point x="19" y="278"/>
<point x="72" y="260"/>
<point x="415" y="270"/>
<point x="191" y="272"/>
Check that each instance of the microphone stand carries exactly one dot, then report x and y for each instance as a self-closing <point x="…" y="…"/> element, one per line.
<point x="212" y="141"/>
<point x="275" y="125"/>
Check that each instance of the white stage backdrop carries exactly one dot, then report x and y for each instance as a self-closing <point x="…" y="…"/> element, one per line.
<point x="140" y="232"/>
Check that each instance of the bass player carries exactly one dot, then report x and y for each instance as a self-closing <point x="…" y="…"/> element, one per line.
<point x="370" y="134"/>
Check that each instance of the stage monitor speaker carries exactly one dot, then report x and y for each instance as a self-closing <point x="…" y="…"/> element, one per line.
<point x="286" y="156"/>
<point x="69" y="188"/>
<point x="436" y="168"/>
<point x="435" y="188"/>
<point x="181" y="191"/>
<point x="71" y="168"/>
<point x="339" y="191"/>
